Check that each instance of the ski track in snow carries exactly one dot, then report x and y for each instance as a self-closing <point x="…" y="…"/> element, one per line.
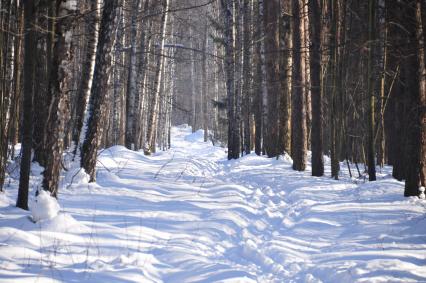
<point x="189" y="215"/>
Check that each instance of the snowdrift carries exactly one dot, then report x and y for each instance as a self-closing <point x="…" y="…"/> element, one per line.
<point x="189" y="215"/>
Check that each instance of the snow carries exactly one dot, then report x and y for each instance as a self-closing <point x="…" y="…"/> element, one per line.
<point x="44" y="206"/>
<point x="70" y="5"/>
<point x="422" y="193"/>
<point x="189" y="215"/>
<point x="68" y="37"/>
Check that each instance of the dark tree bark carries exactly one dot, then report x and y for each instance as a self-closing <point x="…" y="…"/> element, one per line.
<point x="99" y="93"/>
<point x="272" y="9"/>
<point x="285" y="77"/>
<point x="233" y="144"/>
<point x="42" y="96"/>
<point x="316" y="93"/>
<point x="298" y="98"/>
<point x="422" y="116"/>
<point x="246" y="76"/>
<point x="6" y="57"/>
<point x="396" y="110"/>
<point x="258" y="82"/>
<point x="60" y="85"/>
<point x="415" y="161"/>
<point x="371" y="91"/>
<point x="131" y="81"/>
<point x="17" y="95"/>
<point x="9" y="15"/>
<point x="27" y="126"/>
<point x="333" y="69"/>
<point x="238" y="51"/>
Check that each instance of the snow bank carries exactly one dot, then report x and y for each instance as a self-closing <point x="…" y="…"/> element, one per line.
<point x="64" y="223"/>
<point x="197" y="136"/>
<point x="190" y="215"/>
<point x="44" y="206"/>
<point x="4" y="201"/>
<point x="287" y="158"/>
<point x="77" y="176"/>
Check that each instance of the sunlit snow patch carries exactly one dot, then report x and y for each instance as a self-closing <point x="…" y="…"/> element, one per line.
<point x="44" y="206"/>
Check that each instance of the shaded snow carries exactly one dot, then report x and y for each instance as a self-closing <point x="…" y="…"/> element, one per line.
<point x="189" y="215"/>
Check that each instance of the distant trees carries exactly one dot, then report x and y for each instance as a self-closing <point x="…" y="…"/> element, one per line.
<point x="60" y="40"/>
<point x="336" y="77"/>
<point x="356" y="82"/>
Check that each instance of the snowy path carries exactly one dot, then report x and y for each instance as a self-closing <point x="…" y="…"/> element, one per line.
<point x="188" y="215"/>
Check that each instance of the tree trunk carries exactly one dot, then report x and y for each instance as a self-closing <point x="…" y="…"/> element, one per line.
<point x="153" y="116"/>
<point x="60" y="86"/>
<point x="258" y="82"/>
<point x="142" y="66"/>
<point x="285" y="77"/>
<point x="272" y="9"/>
<point x="86" y="72"/>
<point x="298" y="96"/>
<point x="246" y="76"/>
<point x="422" y="117"/>
<point x="6" y="56"/>
<point x="98" y="96"/>
<point x="237" y="75"/>
<point x="41" y="88"/>
<point x="16" y="99"/>
<point x="316" y="94"/>
<point x="415" y="163"/>
<point x="27" y="123"/>
<point x="204" y="83"/>
<point x="131" y="81"/>
<point x="333" y="69"/>
<point x="227" y="10"/>
<point x="370" y="90"/>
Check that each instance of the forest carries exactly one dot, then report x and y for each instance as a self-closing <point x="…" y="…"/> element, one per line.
<point x="336" y="89"/>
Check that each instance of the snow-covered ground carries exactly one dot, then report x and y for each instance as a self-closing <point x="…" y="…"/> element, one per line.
<point x="189" y="215"/>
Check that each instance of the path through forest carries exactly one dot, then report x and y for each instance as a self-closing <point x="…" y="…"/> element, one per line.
<point x="189" y="215"/>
